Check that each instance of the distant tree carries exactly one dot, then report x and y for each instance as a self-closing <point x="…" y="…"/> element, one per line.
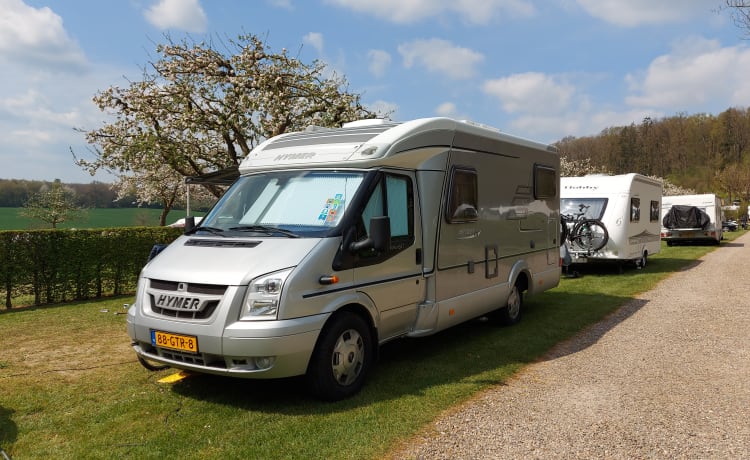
<point x="199" y="110"/>
<point x="739" y="10"/>
<point x="734" y="181"/>
<point x="670" y="189"/>
<point x="574" y="168"/>
<point x="53" y="205"/>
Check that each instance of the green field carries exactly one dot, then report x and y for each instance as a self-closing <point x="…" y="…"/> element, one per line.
<point x="71" y="387"/>
<point x="11" y="219"/>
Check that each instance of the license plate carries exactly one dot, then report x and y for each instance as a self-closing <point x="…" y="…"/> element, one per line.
<point x="180" y="342"/>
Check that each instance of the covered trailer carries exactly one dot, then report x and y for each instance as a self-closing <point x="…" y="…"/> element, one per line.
<point x="692" y="219"/>
<point x="627" y="205"/>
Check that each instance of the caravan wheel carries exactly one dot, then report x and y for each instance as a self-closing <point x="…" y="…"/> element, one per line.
<point x="641" y="263"/>
<point x="511" y="313"/>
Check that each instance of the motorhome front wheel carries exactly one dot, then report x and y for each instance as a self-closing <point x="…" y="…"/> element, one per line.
<point x="342" y="358"/>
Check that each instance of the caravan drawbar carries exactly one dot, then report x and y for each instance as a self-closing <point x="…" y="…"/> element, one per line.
<point x="334" y="241"/>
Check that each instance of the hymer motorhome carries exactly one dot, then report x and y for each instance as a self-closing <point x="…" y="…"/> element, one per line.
<point x="334" y="241"/>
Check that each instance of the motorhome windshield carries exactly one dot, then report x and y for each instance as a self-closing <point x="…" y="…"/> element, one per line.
<point x="283" y="204"/>
<point x="587" y="208"/>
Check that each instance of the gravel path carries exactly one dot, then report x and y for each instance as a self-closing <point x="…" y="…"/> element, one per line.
<point x="666" y="376"/>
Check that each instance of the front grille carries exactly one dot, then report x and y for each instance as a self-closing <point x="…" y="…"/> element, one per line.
<point x="211" y="289"/>
<point x="203" y="359"/>
<point x="194" y="301"/>
<point x="206" y="312"/>
<point x="182" y="357"/>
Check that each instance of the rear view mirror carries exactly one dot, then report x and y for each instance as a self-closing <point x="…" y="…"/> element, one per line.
<point x="379" y="236"/>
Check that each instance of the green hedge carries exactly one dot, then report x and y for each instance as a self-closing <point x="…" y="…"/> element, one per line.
<point x="51" y="266"/>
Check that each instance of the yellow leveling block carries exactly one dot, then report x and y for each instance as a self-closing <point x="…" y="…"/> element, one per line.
<point x="174" y="378"/>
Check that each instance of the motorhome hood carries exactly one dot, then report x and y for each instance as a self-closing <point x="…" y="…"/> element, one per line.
<point x="227" y="261"/>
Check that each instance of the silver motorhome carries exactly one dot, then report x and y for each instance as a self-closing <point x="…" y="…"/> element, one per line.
<point x="334" y="241"/>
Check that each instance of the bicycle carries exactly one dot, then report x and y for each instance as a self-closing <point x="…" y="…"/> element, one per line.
<point x="584" y="234"/>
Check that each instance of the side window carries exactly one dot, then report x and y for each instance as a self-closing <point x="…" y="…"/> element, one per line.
<point x="392" y="197"/>
<point x="655" y="212"/>
<point x="635" y="209"/>
<point x="545" y="182"/>
<point x="463" y="196"/>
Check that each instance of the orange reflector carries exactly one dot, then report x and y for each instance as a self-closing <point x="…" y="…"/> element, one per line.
<point x="451" y="312"/>
<point x="174" y="378"/>
<point x="328" y="279"/>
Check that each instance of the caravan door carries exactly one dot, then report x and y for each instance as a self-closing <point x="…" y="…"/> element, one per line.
<point x="392" y="279"/>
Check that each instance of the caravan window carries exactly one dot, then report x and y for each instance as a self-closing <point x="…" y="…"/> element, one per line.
<point x="635" y="210"/>
<point x="545" y="182"/>
<point x="463" y="198"/>
<point x="654" y="216"/>
<point x="592" y="208"/>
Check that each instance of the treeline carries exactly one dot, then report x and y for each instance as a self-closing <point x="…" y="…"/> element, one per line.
<point x="689" y="150"/>
<point x="14" y="193"/>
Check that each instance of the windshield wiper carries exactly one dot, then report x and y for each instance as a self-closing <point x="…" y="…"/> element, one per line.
<point x="213" y="230"/>
<point x="265" y="229"/>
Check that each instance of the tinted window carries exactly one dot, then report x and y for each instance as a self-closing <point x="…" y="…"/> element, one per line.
<point x="463" y="198"/>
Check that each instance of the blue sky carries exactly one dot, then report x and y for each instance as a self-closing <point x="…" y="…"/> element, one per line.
<point x="540" y="69"/>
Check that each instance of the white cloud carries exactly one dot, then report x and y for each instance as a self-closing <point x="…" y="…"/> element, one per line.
<point x="699" y="73"/>
<point x="633" y="13"/>
<point x="284" y="4"/>
<point x="441" y="56"/>
<point x="314" y="39"/>
<point x="410" y="11"/>
<point x="36" y="36"/>
<point x="531" y="92"/>
<point x="384" y="108"/>
<point x="187" y="15"/>
<point x="446" y="109"/>
<point x="379" y="61"/>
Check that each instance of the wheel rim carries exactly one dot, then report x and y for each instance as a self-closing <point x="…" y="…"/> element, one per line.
<point x="348" y="357"/>
<point x="514" y="303"/>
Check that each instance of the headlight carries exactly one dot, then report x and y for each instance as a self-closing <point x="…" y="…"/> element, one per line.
<point x="263" y="295"/>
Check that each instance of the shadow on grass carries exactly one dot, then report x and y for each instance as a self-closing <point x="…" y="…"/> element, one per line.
<point x="8" y="429"/>
<point x="476" y="353"/>
<point x="654" y="265"/>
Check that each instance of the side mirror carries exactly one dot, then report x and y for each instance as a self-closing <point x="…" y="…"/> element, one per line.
<point x="189" y="224"/>
<point x="380" y="236"/>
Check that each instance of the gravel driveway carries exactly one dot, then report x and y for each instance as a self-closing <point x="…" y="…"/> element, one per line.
<point x="666" y="376"/>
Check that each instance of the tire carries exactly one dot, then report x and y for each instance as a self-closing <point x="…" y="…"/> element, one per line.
<point x="642" y="262"/>
<point x="589" y="235"/>
<point x="564" y="230"/>
<point x="510" y="313"/>
<point x="342" y="358"/>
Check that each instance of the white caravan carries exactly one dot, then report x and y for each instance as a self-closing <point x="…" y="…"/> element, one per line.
<point x="628" y="205"/>
<point x="333" y="241"/>
<point x="685" y="226"/>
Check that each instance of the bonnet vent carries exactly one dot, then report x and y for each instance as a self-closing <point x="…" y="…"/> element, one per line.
<point x="221" y="243"/>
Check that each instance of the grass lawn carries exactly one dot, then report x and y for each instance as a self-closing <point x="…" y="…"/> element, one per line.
<point x="71" y="388"/>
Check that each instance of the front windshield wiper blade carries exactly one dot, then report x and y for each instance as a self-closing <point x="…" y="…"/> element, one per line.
<point x="265" y="229"/>
<point x="213" y="230"/>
